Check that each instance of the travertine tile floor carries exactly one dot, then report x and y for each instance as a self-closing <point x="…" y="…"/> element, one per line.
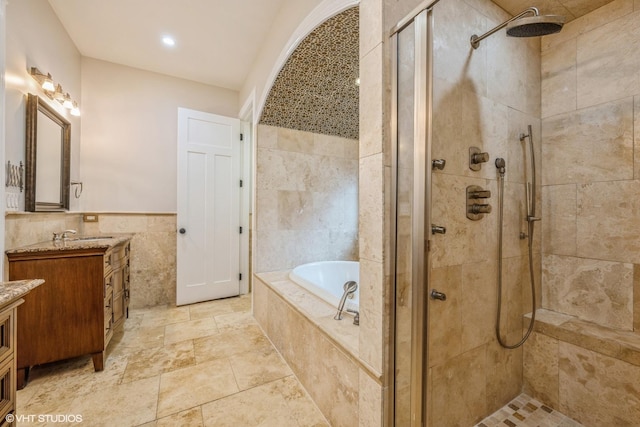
<point x="524" y="411"/>
<point x="207" y="364"/>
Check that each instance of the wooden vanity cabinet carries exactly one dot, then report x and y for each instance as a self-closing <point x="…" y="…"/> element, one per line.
<point x="76" y="312"/>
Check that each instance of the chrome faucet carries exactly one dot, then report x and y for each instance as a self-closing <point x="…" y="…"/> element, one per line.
<point x="63" y="235"/>
<point x="349" y="288"/>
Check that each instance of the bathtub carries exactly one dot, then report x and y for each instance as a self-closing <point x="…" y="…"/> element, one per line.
<point x="326" y="279"/>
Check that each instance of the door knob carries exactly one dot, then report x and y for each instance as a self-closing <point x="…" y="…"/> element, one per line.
<point x="438" y="295"/>
<point x="182" y="231"/>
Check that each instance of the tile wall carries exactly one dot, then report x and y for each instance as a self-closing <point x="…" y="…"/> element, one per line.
<point x="591" y="238"/>
<point x="153" y="247"/>
<point x="306" y="198"/>
<point x="591" y="173"/>
<point x="484" y="98"/>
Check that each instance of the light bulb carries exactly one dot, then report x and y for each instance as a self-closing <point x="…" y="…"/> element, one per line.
<point x="67" y="103"/>
<point x="75" y="111"/>
<point x="47" y="84"/>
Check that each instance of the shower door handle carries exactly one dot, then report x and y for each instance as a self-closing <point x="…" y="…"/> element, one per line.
<point x="438" y="295"/>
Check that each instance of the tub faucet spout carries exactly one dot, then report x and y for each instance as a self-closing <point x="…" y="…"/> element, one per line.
<point x="349" y="288"/>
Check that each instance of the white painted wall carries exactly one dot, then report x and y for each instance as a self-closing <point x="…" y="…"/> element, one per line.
<point x="129" y="133"/>
<point x="35" y="37"/>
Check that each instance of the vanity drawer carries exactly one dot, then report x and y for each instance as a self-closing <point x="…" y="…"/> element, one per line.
<point x="7" y="387"/>
<point x="108" y="285"/>
<point x="108" y="262"/>
<point x="7" y="333"/>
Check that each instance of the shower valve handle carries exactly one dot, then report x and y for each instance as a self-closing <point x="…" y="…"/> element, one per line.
<point x="438" y="295"/>
<point x="478" y="208"/>
<point x="480" y="194"/>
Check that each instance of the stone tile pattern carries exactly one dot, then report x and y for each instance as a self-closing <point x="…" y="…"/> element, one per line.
<point x="153" y="246"/>
<point x="306" y="198"/>
<point x="524" y="411"/>
<point x="591" y="167"/>
<point x="588" y="372"/>
<point x="228" y="374"/>
<point x="484" y="98"/>
<point x="343" y="390"/>
<point x="316" y="90"/>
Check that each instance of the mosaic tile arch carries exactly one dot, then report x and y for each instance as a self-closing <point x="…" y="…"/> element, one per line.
<point x="316" y="89"/>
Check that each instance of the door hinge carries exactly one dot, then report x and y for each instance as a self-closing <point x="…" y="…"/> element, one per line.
<point x="240" y="230"/>
<point x="241" y="137"/>
<point x="241" y="183"/>
<point x="240" y="276"/>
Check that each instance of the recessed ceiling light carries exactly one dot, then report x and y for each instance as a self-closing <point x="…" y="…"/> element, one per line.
<point x="168" y="40"/>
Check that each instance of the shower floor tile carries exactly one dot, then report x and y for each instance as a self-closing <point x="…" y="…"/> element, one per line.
<point x="524" y="411"/>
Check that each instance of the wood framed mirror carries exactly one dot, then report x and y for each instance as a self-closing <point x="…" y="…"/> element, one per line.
<point x="48" y="156"/>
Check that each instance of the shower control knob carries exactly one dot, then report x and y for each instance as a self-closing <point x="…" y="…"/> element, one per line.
<point x="478" y="208"/>
<point x="480" y="158"/>
<point x="438" y="229"/>
<point x="438" y="295"/>
<point x="438" y="164"/>
<point x="480" y="194"/>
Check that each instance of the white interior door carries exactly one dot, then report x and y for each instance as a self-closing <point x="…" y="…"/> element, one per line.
<point x="208" y="207"/>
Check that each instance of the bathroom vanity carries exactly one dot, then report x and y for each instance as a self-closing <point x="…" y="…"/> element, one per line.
<point x="86" y="298"/>
<point x="11" y="296"/>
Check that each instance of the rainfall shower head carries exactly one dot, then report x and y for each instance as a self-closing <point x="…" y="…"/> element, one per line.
<point x="535" y="26"/>
<point x="522" y="25"/>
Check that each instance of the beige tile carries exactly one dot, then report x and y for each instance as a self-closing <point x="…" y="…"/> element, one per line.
<point x="607" y="221"/>
<point x="445" y="343"/>
<point x="260" y="302"/>
<point x="559" y="226"/>
<point x="255" y="368"/>
<point x="458" y="389"/>
<point x="504" y="375"/>
<point x="371" y="116"/>
<point x="607" y="62"/>
<point x="126" y="404"/>
<point x="188" y="387"/>
<point x="370" y="337"/>
<point x="161" y="316"/>
<point x="190" y="330"/>
<point x="540" y="369"/>
<point x="136" y="339"/>
<point x="267" y="136"/>
<point x="477" y="307"/>
<point x="586" y="23"/>
<point x="210" y="309"/>
<point x="190" y="417"/>
<point x="295" y="140"/>
<point x="300" y="405"/>
<point x="593" y="290"/>
<point x="593" y="144"/>
<point x="155" y="361"/>
<point x="370" y="405"/>
<point x="268" y="408"/>
<point x="229" y="343"/>
<point x="371" y="27"/>
<point x="371" y="205"/>
<point x="235" y="320"/>
<point x="636" y="141"/>
<point x="636" y="298"/>
<point x="559" y="79"/>
<point x="453" y="58"/>
<point x="596" y="389"/>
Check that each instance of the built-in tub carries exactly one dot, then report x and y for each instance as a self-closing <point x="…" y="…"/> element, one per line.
<point x="326" y="280"/>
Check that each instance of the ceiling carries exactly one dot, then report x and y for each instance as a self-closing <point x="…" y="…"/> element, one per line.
<point x="570" y="9"/>
<point x="216" y="40"/>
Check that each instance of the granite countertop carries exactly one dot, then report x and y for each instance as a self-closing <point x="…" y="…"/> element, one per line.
<point x="10" y="291"/>
<point x="75" y="243"/>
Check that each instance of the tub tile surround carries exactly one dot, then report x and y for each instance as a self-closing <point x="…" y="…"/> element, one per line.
<point x="321" y="351"/>
<point x="153" y="246"/>
<point x="307" y="189"/>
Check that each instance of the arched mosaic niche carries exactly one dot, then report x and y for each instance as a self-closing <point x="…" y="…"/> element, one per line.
<point x="316" y="89"/>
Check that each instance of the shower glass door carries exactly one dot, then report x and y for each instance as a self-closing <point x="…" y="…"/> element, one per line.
<point x="411" y="184"/>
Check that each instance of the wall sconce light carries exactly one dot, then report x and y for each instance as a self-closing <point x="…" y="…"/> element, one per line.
<point x="55" y="91"/>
